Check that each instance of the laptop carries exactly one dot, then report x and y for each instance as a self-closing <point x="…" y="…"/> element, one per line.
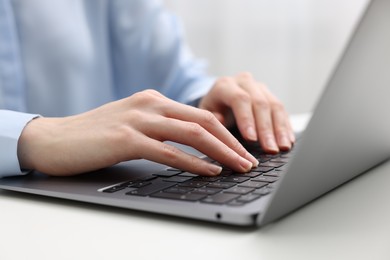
<point x="348" y="134"/>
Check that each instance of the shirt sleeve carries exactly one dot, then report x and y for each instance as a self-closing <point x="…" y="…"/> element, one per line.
<point x="11" y="126"/>
<point x="149" y="51"/>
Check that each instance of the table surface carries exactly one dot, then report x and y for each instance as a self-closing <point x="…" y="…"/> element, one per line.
<point x="351" y="222"/>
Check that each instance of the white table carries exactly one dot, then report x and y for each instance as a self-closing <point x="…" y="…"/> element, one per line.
<point x="352" y="222"/>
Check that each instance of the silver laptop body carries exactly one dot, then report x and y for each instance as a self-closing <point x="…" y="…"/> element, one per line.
<point x="349" y="133"/>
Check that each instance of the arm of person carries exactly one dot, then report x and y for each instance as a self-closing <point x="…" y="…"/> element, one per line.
<point x="137" y="126"/>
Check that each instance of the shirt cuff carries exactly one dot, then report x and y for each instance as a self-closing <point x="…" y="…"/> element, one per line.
<point x="11" y="126"/>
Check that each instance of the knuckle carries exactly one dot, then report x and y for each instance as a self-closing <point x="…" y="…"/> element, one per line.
<point x="195" y="164"/>
<point x="245" y="119"/>
<point x="146" y="96"/>
<point x="238" y="147"/>
<point x="245" y="75"/>
<point x="141" y="97"/>
<point x="242" y="96"/>
<point x="209" y="118"/>
<point x="194" y="130"/>
<point x="135" y="116"/>
<point x="170" y="153"/>
<point x="151" y="92"/>
<point x="223" y="81"/>
<point x="261" y="103"/>
<point x="277" y="105"/>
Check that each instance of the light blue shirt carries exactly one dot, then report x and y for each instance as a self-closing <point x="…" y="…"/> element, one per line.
<point x="64" y="57"/>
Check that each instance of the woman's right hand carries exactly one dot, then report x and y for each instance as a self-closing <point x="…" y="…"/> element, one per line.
<point x="131" y="128"/>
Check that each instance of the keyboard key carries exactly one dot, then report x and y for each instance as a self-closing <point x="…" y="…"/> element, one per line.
<point x="274" y="173"/>
<point x="271" y="156"/>
<point x="263" y="191"/>
<point x="262" y="178"/>
<point x="207" y="191"/>
<point x="151" y="188"/>
<point x="247" y="174"/>
<point x="279" y="160"/>
<point x="147" y="178"/>
<point x="248" y="198"/>
<point x="220" y="185"/>
<point x="193" y="184"/>
<point x="185" y="197"/>
<point x="166" y="173"/>
<point x="114" y="189"/>
<point x="235" y="179"/>
<point x="179" y="190"/>
<point x="188" y="174"/>
<point x="135" y="182"/>
<point x="208" y="179"/>
<point x="281" y="168"/>
<point x="271" y="185"/>
<point x="239" y="190"/>
<point x="220" y="198"/>
<point x="226" y="172"/>
<point x="174" y="169"/>
<point x="140" y="184"/>
<point x="253" y="184"/>
<point x="272" y="164"/>
<point x="262" y="169"/>
<point x="177" y="179"/>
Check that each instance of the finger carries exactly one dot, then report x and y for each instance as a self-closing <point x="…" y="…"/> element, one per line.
<point x="282" y="127"/>
<point x="210" y="123"/>
<point x="194" y="135"/>
<point x="163" y="153"/>
<point x="231" y="95"/>
<point x="291" y="130"/>
<point x="264" y="124"/>
<point x="219" y="117"/>
<point x="262" y="113"/>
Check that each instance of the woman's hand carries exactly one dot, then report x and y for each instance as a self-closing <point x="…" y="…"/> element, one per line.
<point x="259" y="115"/>
<point x="136" y="127"/>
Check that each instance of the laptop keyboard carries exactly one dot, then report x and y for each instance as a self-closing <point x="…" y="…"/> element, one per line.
<point x="230" y="188"/>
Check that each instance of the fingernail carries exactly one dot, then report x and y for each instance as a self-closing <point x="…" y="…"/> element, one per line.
<point x="215" y="169"/>
<point x="285" y="142"/>
<point x="251" y="133"/>
<point x="271" y="144"/>
<point x="251" y="158"/>
<point x="245" y="164"/>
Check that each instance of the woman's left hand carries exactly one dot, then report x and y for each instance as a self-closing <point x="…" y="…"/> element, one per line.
<point x="259" y="115"/>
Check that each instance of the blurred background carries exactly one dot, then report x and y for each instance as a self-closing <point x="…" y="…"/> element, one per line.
<point x="291" y="45"/>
